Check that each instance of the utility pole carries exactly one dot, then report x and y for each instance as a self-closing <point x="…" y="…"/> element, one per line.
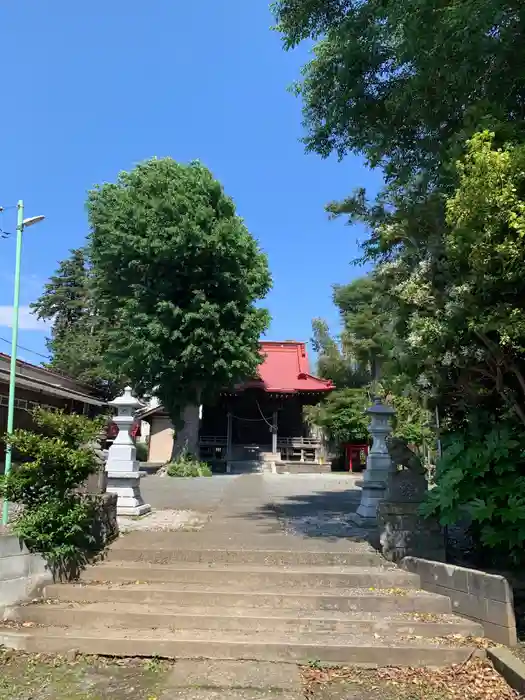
<point x="21" y="223"/>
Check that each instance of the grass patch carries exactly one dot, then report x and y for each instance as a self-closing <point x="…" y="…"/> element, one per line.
<point x="41" y="677"/>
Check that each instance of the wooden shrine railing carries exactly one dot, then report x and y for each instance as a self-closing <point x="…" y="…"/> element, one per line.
<point x="298" y="442"/>
<point x="213" y="441"/>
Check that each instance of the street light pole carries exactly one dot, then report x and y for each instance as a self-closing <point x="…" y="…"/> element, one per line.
<point x="20" y="225"/>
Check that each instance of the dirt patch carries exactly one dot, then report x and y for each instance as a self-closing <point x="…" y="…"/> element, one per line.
<point x="164" y="520"/>
<point x="474" y="680"/>
<point x="37" y="677"/>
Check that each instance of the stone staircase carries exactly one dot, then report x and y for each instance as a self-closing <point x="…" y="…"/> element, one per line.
<point x="164" y="595"/>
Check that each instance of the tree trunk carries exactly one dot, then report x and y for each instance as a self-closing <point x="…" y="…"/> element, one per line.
<point x="186" y="438"/>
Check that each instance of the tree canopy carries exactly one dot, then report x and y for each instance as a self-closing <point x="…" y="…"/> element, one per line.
<point x="433" y="93"/>
<point x="405" y="82"/>
<point x="178" y="277"/>
<point x="78" y="339"/>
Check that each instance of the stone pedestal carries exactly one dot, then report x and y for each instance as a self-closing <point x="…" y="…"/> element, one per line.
<point x="123" y="475"/>
<point x="378" y="466"/>
<point x="403" y="532"/>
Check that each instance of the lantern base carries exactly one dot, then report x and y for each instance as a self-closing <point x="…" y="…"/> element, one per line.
<point x="368" y="521"/>
<point x="126" y="485"/>
<point x="372" y="494"/>
<point x="135" y="511"/>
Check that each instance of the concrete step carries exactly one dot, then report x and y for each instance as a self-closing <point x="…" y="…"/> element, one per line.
<point x="126" y="615"/>
<point x="233" y="694"/>
<point x="359" y="557"/>
<point x="246" y="466"/>
<point x="342" y="600"/>
<point x="248" y="578"/>
<point x="302" y="468"/>
<point x="274" y="680"/>
<point x="328" y="648"/>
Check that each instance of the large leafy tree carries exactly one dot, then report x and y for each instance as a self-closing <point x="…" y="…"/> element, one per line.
<point x="479" y="329"/>
<point x="433" y="92"/>
<point x="406" y="81"/>
<point x="178" y="277"/>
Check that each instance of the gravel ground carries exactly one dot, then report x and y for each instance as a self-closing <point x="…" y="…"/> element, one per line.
<point x="164" y="520"/>
<point x="323" y="525"/>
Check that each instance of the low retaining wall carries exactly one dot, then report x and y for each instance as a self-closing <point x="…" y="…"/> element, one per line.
<point x="484" y="598"/>
<point x="21" y="573"/>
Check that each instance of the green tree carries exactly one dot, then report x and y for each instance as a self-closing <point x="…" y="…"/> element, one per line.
<point x="433" y="93"/>
<point x="368" y="325"/>
<point x="78" y="340"/>
<point x="333" y="360"/>
<point x="177" y="276"/>
<point x="457" y="294"/>
<point x="483" y="325"/>
<point x="342" y="416"/>
<point x="369" y="359"/>
<point x="65" y="299"/>
<point x="400" y="83"/>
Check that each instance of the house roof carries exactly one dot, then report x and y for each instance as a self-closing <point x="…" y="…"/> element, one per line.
<point x="285" y="369"/>
<point x="42" y="380"/>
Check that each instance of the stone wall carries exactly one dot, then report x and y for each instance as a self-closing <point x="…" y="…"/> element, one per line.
<point x="105" y="525"/>
<point x="405" y="533"/>
<point x="21" y="573"/>
<point x="484" y="598"/>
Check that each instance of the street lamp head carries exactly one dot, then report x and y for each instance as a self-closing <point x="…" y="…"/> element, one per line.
<point x="33" y="220"/>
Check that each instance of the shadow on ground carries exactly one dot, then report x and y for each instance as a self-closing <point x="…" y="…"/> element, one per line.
<point x="321" y="514"/>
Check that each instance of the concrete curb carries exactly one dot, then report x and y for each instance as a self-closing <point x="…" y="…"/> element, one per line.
<point x="509" y="666"/>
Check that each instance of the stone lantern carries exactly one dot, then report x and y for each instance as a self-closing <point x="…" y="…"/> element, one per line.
<point x="378" y="464"/>
<point x="122" y="467"/>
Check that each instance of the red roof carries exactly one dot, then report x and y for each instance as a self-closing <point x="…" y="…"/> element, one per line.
<point x="286" y="370"/>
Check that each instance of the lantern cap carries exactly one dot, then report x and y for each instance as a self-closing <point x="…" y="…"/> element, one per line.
<point x="126" y="400"/>
<point x="379" y="409"/>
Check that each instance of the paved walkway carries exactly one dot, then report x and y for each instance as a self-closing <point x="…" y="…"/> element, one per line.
<point x="259" y="511"/>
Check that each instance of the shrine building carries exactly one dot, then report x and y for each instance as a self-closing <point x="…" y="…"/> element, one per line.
<point x="258" y="421"/>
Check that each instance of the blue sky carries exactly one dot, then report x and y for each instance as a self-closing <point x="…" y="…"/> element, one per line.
<point x="92" y="88"/>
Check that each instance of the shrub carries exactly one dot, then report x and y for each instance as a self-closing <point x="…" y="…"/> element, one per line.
<point x="188" y="466"/>
<point x="55" y="520"/>
<point x="142" y="451"/>
<point x="342" y="416"/>
<point x="482" y="474"/>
